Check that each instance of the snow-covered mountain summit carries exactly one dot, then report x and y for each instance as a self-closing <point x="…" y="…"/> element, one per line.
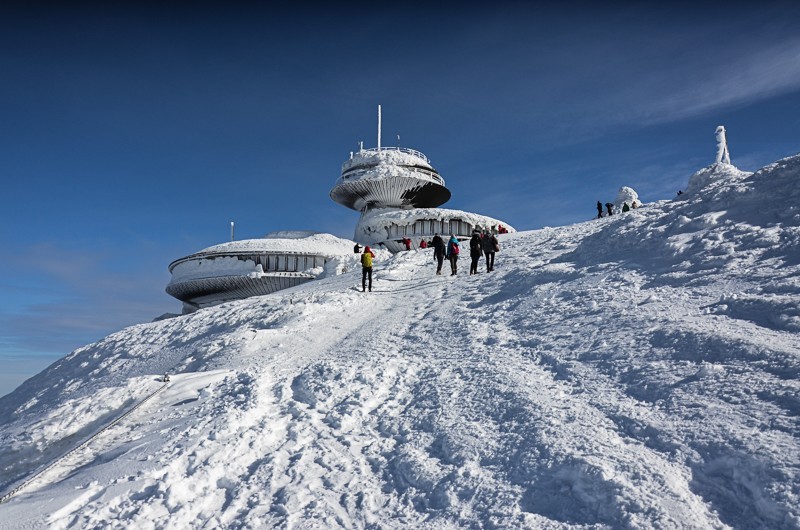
<point x="635" y="371"/>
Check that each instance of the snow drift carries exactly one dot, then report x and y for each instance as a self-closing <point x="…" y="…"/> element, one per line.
<point x="635" y="371"/>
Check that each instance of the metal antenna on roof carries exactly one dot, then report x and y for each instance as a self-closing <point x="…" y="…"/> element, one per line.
<point x="231" y="230"/>
<point x="379" y="127"/>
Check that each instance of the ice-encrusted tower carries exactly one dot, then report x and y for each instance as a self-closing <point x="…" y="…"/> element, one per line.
<point x="397" y="191"/>
<point x="723" y="156"/>
<point x="389" y="177"/>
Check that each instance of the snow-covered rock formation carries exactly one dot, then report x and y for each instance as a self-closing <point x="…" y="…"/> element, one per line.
<point x="635" y="371"/>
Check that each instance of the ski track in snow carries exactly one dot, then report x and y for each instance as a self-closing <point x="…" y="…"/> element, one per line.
<point x="638" y="371"/>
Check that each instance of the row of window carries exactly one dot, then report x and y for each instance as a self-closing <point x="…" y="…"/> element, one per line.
<point x="284" y="262"/>
<point x="429" y="227"/>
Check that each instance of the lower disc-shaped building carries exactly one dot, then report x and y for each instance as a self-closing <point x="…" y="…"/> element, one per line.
<point x="252" y="267"/>
<point x="388" y="227"/>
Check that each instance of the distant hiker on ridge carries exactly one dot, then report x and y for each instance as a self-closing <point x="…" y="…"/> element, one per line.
<point x="407" y="243"/>
<point x="438" y="252"/>
<point x="452" y="254"/>
<point x="625" y="207"/>
<point x="357" y="249"/>
<point x="475" y="252"/>
<point x="366" y="268"/>
<point x="608" y="207"/>
<point x="490" y="246"/>
<point x="599" y="210"/>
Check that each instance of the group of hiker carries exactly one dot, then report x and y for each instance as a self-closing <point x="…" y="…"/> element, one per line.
<point x="610" y="207"/>
<point x="481" y="244"/>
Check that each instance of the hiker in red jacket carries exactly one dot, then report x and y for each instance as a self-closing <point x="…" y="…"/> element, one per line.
<point x="452" y="254"/>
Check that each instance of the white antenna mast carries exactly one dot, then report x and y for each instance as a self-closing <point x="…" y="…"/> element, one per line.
<point x="379" y="127"/>
<point x="231" y="230"/>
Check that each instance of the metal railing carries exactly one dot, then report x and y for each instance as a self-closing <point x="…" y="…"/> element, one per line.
<point x="400" y="149"/>
<point x="431" y="175"/>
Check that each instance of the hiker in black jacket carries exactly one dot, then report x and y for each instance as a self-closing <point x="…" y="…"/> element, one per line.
<point x="438" y="252"/>
<point x="490" y="246"/>
<point x="475" y="252"/>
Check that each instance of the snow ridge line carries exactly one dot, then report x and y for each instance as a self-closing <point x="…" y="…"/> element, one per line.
<point x="51" y="465"/>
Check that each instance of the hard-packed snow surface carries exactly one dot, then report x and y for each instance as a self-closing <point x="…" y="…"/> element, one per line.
<point x="634" y="371"/>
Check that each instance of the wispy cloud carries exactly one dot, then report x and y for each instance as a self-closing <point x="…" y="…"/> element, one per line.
<point x="74" y="297"/>
<point x="749" y="78"/>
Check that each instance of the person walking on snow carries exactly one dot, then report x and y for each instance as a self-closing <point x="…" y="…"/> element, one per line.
<point x="475" y="252"/>
<point x="608" y="207"/>
<point x="490" y="246"/>
<point x="452" y="254"/>
<point x="366" y="268"/>
<point x="438" y="252"/>
<point x="599" y="210"/>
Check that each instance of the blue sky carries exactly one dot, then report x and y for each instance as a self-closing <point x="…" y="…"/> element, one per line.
<point x="133" y="136"/>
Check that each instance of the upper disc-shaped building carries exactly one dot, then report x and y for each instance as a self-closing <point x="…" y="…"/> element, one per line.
<point x="397" y="191"/>
<point x="389" y="177"/>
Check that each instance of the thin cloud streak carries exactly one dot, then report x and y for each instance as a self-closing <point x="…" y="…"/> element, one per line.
<point x="762" y="75"/>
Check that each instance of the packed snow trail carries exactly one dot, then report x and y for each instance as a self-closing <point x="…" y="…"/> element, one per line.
<point x="425" y="467"/>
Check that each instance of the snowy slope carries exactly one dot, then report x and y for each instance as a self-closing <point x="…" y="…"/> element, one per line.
<point x="636" y="371"/>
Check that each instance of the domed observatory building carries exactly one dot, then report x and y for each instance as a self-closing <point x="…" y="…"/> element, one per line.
<point x="253" y="267"/>
<point x="397" y="191"/>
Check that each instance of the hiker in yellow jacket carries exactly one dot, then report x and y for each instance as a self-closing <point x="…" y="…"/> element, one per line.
<point x="366" y="268"/>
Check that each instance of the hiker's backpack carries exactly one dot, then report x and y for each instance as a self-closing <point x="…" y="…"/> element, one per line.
<point x="366" y="259"/>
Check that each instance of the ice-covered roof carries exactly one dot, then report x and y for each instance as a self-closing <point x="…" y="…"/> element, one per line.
<point x="286" y="241"/>
<point x="381" y="218"/>
<point x="389" y="156"/>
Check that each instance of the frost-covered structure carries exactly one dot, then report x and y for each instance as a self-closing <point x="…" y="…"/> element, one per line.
<point x="718" y="173"/>
<point x="628" y="196"/>
<point x="723" y="156"/>
<point x="397" y="191"/>
<point x="389" y="177"/>
<point x="252" y="267"/>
